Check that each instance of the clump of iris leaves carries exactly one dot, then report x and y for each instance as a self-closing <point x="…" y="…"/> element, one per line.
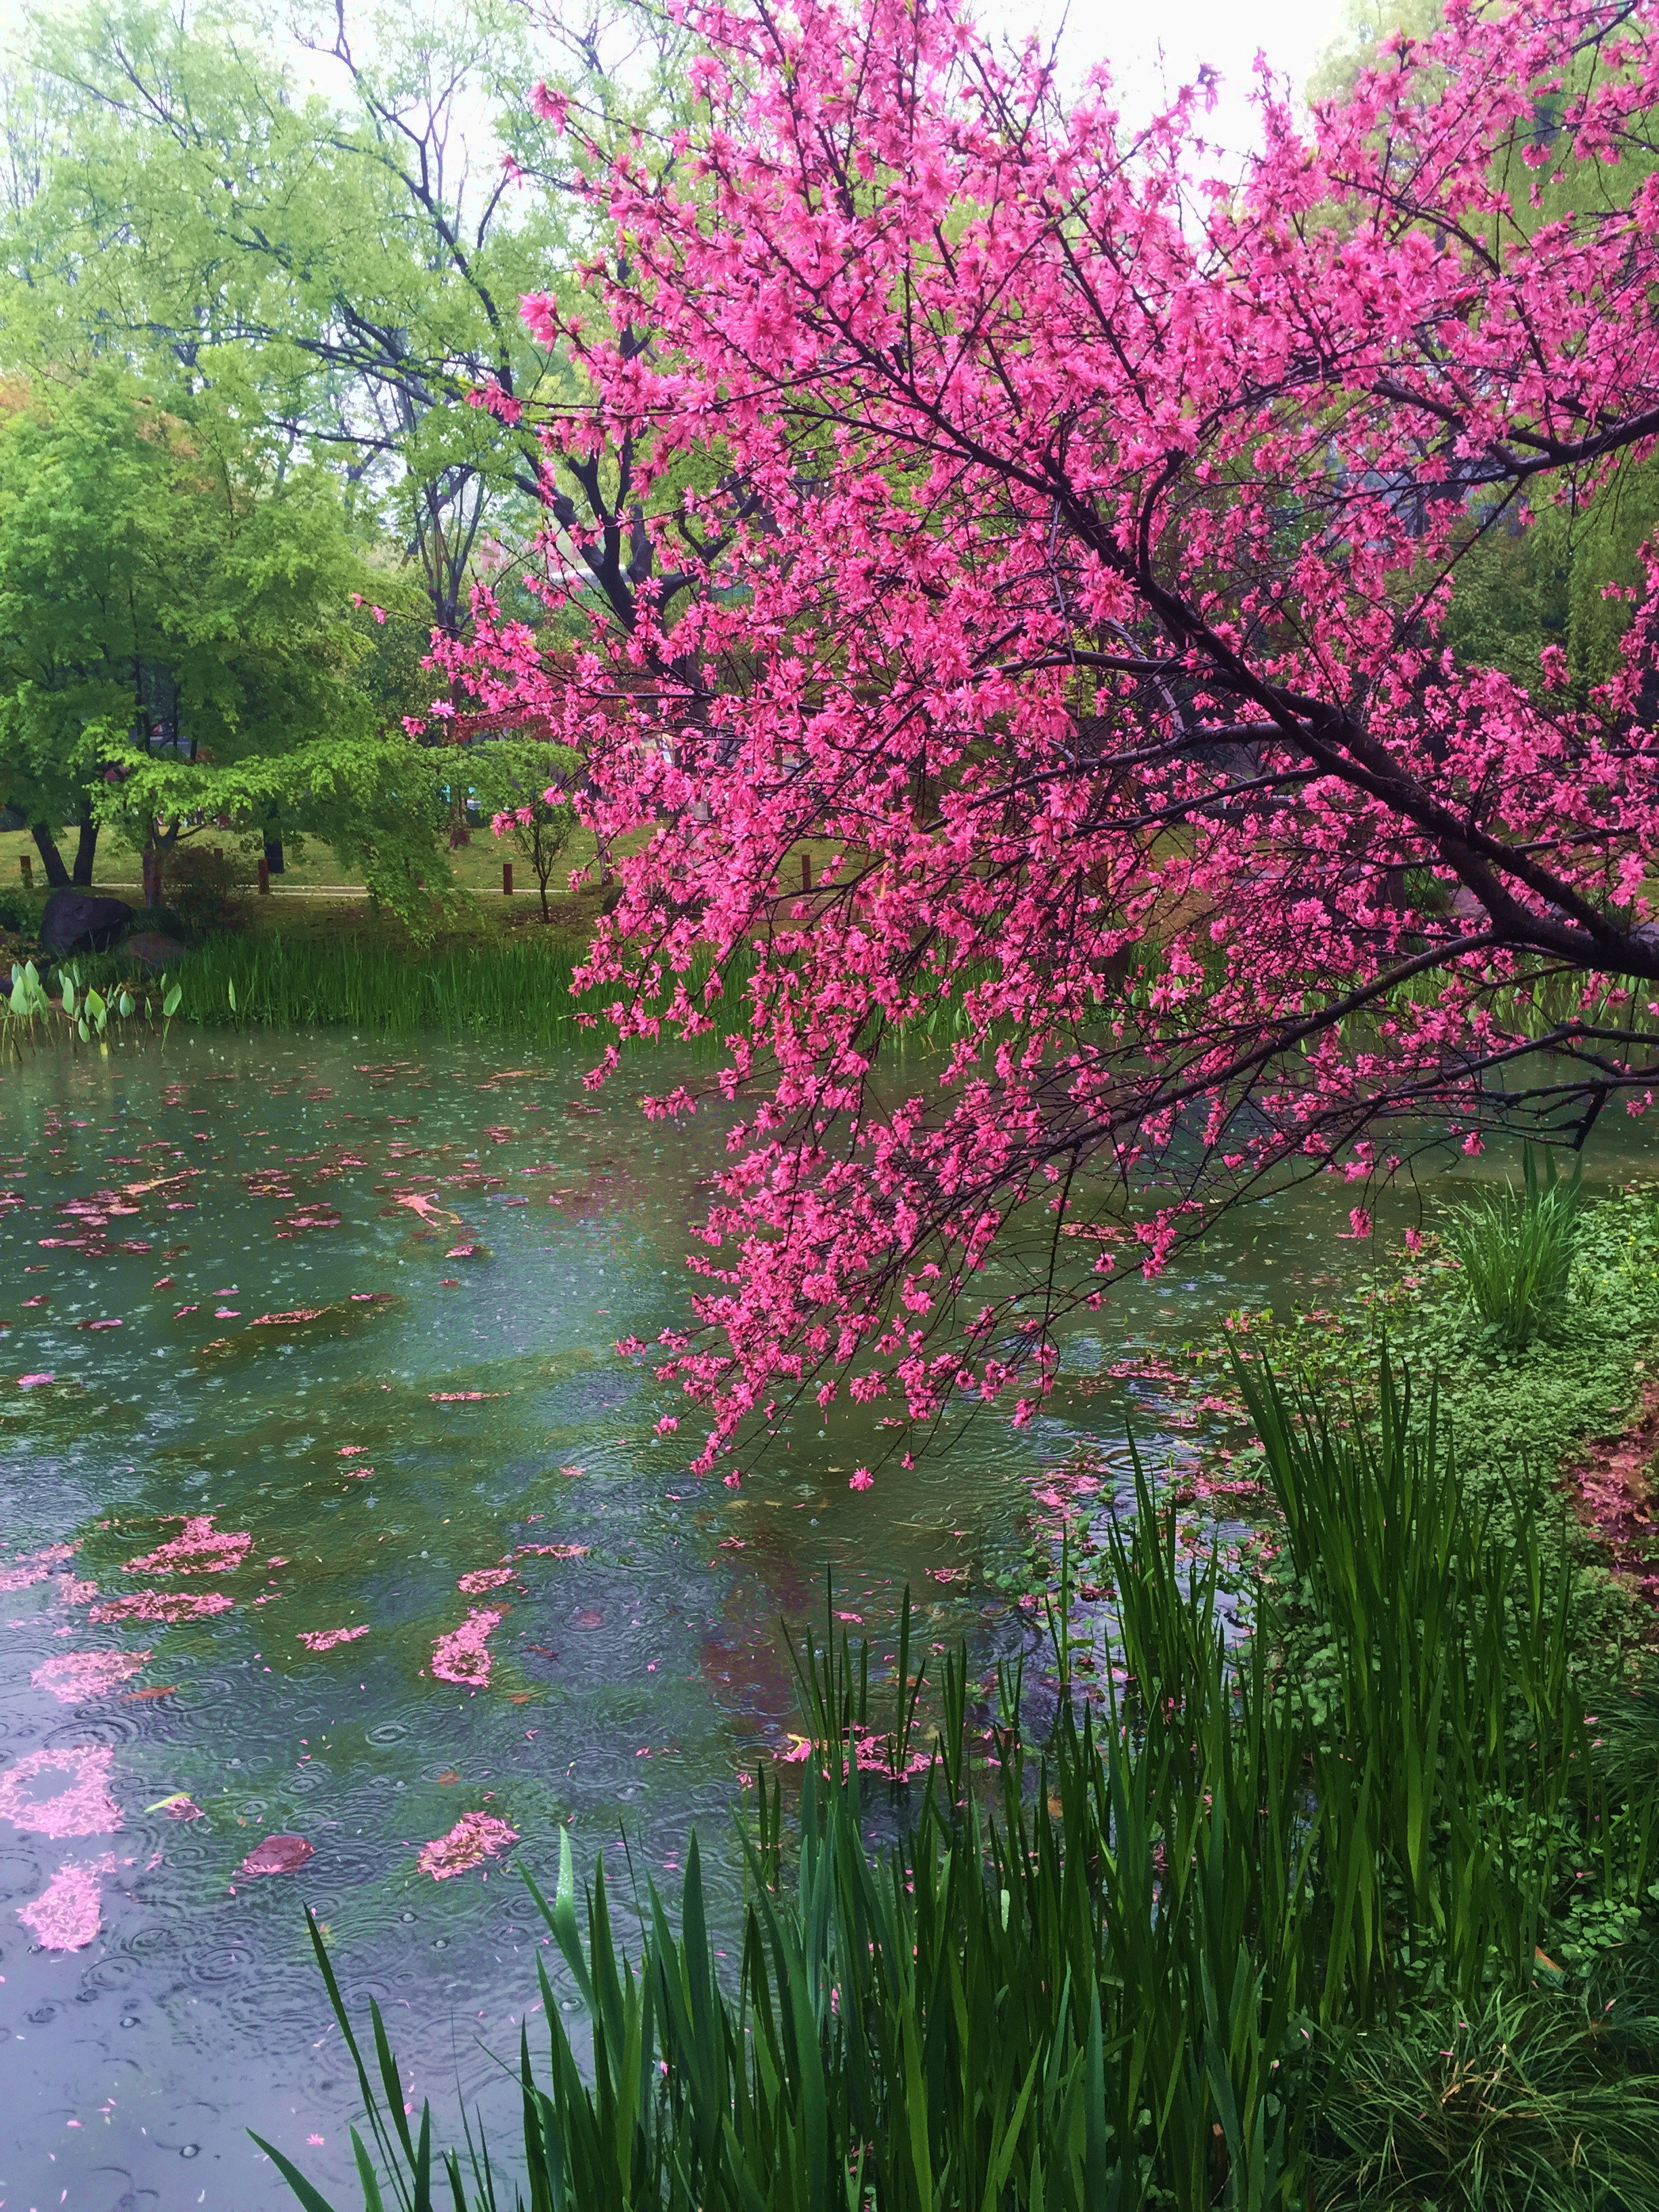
<point x="1366" y="1912"/>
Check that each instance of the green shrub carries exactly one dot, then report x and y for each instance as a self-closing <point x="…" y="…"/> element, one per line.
<point x="1516" y="1252"/>
<point x="202" y="885"/>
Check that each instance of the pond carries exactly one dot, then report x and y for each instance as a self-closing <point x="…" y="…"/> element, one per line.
<point x="331" y="1515"/>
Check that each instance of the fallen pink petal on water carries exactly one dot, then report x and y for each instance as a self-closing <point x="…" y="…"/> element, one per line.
<point x="460" y="1656"/>
<point x="465" y="1397"/>
<point x="85" y="1808"/>
<point x="181" y="1806"/>
<point x="280" y="1320"/>
<point x="67" y="1914"/>
<point x="572" y="1470"/>
<point x="199" y="1548"/>
<point x="350" y="1451"/>
<point x="68" y="1591"/>
<point x="278" y="1854"/>
<point x="30" y="1382"/>
<point x="474" y="1837"/>
<point x="460" y="1251"/>
<point x="76" y="1675"/>
<point x="324" y="1639"/>
<point x="557" y="1551"/>
<point x="98" y="1324"/>
<point x="163" y="1605"/>
<point x="483" y="1578"/>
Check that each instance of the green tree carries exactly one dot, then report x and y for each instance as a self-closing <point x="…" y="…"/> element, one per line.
<point x="179" y="646"/>
<point x="342" y="260"/>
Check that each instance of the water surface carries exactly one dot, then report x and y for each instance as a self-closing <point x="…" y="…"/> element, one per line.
<point x="447" y="1401"/>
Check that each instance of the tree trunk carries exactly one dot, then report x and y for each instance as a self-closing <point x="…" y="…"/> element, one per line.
<point x="86" y="850"/>
<point x="50" y="858"/>
<point x="274" y="854"/>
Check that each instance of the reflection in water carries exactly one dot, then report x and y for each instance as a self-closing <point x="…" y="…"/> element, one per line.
<point x="332" y="1518"/>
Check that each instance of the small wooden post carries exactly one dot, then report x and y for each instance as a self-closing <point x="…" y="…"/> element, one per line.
<point x="264" y="877"/>
<point x="26" y="868"/>
<point x="507" y="878"/>
<point x="806" y="871"/>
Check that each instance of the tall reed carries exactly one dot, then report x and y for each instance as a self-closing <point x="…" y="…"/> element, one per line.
<point x="1516" y="1252"/>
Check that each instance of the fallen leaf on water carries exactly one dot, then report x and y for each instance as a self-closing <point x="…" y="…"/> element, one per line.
<point x="280" y="1320"/>
<point x="162" y="1690"/>
<point x="520" y="1697"/>
<point x="471" y="1398"/>
<point x="448" y="1775"/>
<point x="278" y="1854"/>
<point x="589" y="1618"/>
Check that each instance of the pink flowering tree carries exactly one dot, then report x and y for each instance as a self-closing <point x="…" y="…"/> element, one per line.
<point x="1071" y="542"/>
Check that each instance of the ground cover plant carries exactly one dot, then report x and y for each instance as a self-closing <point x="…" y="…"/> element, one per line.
<point x="1235" y="1929"/>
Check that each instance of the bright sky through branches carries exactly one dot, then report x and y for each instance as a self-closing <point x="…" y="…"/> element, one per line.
<point x="1155" y="49"/>
<point x="1148" y="46"/>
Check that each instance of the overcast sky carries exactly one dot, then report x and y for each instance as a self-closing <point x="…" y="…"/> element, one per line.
<point x="1150" y="41"/>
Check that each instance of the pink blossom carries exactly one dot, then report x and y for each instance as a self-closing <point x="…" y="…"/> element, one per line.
<point x="163" y="1605"/>
<point x="199" y="1548"/>
<point x="68" y="1913"/>
<point x="74" y="1676"/>
<point x="325" y="1639"/>
<point x="1039" y="621"/>
<point x="473" y="1838"/>
<point x="860" y="1479"/>
<point x="85" y="1807"/>
<point x="461" y="1656"/>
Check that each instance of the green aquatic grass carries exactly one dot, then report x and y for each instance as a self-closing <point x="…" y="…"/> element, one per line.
<point x="518" y="985"/>
<point x="1186" y="1951"/>
<point x="1516" y="1251"/>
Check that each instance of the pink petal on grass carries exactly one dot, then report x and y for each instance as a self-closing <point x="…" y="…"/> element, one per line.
<point x="74" y="1676"/>
<point x="84" y="1808"/>
<point x="67" y="1914"/>
<point x="460" y="1656"/>
<point x="324" y="1639"/>
<point x="483" y="1578"/>
<point x="278" y="1854"/>
<point x="474" y="1837"/>
<point x="199" y="1548"/>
